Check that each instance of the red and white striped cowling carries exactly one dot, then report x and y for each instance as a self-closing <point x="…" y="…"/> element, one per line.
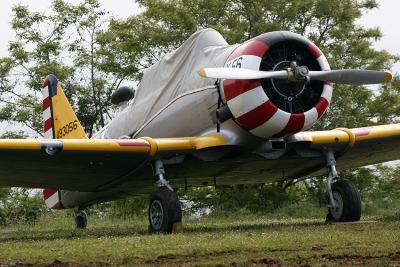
<point x="252" y="109"/>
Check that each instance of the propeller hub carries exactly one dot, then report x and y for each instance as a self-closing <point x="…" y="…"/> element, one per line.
<point x="301" y="73"/>
<point x="295" y="84"/>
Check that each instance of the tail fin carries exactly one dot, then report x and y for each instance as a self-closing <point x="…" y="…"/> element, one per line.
<point x="60" y="121"/>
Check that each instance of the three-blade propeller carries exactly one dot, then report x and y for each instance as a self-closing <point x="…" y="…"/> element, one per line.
<point x="347" y="76"/>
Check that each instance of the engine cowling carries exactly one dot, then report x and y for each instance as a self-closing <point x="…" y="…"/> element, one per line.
<point x="272" y="108"/>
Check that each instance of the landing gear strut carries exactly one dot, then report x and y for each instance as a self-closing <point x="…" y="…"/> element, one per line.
<point x="80" y="219"/>
<point x="344" y="201"/>
<point x="165" y="211"/>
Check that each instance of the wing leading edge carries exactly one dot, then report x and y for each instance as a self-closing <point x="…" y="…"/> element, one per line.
<point x="93" y="165"/>
<point x="85" y="164"/>
<point x="356" y="147"/>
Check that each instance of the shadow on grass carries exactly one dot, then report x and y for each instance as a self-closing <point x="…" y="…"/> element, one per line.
<point x="32" y="235"/>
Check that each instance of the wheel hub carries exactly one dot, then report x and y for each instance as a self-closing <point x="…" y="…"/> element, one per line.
<point x="337" y="211"/>
<point x="156" y="214"/>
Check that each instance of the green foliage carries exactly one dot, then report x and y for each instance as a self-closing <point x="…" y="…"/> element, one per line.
<point x="332" y="25"/>
<point x="20" y="206"/>
<point x="124" y="208"/>
<point x="61" y="41"/>
<point x="105" y="52"/>
<point x="92" y="54"/>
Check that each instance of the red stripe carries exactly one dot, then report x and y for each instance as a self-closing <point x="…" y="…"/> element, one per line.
<point x="233" y="88"/>
<point x="328" y="83"/>
<point x="48" y="193"/>
<point x="46" y="103"/>
<point x="295" y="124"/>
<point x="362" y="132"/>
<point x="314" y="50"/>
<point x="127" y="142"/>
<point x="47" y="125"/>
<point x="253" y="47"/>
<point x="45" y="83"/>
<point x="257" y="116"/>
<point x="321" y="106"/>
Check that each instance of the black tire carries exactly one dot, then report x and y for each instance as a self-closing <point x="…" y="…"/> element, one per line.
<point x="81" y="220"/>
<point x="166" y="202"/>
<point x="348" y="198"/>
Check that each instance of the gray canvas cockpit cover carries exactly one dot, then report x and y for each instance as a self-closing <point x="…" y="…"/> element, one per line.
<point x="175" y="74"/>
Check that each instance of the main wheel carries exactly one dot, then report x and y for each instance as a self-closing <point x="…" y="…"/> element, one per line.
<point x="348" y="202"/>
<point x="81" y="220"/>
<point x="164" y="211"/>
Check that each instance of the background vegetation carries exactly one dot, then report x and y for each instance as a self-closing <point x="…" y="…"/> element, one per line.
<point x="92" y="53"/>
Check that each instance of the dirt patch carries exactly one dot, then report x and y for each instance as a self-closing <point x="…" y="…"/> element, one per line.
<point x="56" y="263"/>
<point x="266" y="262"/>
<point x="391" y="256"/>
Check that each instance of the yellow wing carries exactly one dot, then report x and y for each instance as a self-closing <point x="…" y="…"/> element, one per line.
<point x="356" y="147"/>
<point x="87" y="164"/>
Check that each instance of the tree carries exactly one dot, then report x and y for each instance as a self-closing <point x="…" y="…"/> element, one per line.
<point x="63" y="42"/>
<point x="92" y="55"/>
<point x="332" y="25"/>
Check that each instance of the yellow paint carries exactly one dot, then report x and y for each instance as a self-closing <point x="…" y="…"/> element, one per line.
<point x="190" y="143"/>
<point x="153" y="145"/>
<point x="18" y="144"/>
<point x="326" y="137"/>
<point x="100" y="145"/>
<point x="345" y="136"/>
<point x="352" y="137"/>
<point x="381" y="131"/>
<point x="64" y="115"/>
<point x="150" y="145"/>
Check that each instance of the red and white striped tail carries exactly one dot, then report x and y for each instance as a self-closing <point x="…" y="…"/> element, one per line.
<point x="48" y="127"/>
<point x="52" y="198"/>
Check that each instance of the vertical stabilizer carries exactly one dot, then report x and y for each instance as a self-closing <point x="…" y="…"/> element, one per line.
<point x="60" y="121"/>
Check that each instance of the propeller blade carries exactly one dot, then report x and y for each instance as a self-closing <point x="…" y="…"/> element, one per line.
<point x="355" y="77"/>
<point x="241" y="74"/>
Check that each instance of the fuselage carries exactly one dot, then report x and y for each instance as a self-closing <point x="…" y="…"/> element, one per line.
<point x="174" y="101"/>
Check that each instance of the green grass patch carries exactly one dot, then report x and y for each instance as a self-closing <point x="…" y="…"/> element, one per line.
<point x="230" y="240"/>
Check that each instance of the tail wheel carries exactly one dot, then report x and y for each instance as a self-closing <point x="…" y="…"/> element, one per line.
<point x="164" y="211"/>
<point x="81" y="220"/>
<point x="348" y="202"/>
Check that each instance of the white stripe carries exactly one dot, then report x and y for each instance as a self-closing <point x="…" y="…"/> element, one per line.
<point x="273" y="126"/>
<point x="46" y="114"/>
<point x="52" y="200"/>
<point x="327" y="92"/>
<point x="45" y="92"/>
<point x="48" y="134"/>
<point x="323" y="62"/>
<point x="245" y="62"/>
<point x="310" y="117"/>
<point x="247" y="101"/>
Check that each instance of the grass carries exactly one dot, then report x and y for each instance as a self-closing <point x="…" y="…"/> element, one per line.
<point x="231" y="241"/>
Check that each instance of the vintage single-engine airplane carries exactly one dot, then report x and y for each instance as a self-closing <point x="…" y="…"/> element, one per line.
<point x="208" y="113"/>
